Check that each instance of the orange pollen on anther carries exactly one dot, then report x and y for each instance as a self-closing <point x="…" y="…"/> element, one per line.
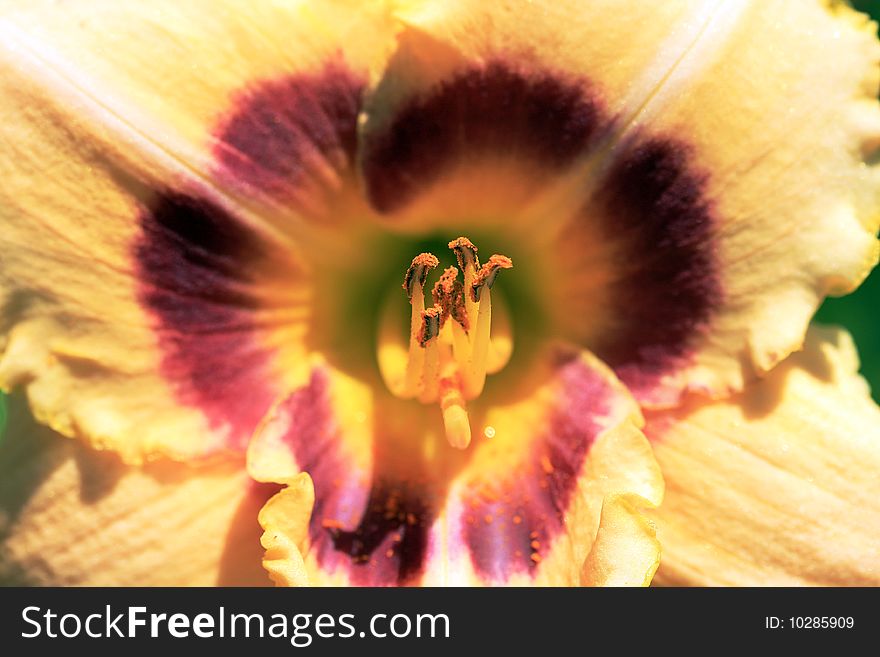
<point x="450" y="337"/>
<point x="430" y="324"/>
<point x="448" y="292"/>
<point x="417" y="273"/>
<point x="465" y="253"/>
<point x="487" y="274"/>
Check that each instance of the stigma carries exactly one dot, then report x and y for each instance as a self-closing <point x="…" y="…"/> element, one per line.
<point x="451" y="346"/>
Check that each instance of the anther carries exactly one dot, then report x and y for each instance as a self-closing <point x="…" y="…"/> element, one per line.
<point x="465" y="253"/>
<point x="487" y="274"/>
<point x="430" y="325"/>
<point x="417" y="273"/>
<point x="448" y="292"/>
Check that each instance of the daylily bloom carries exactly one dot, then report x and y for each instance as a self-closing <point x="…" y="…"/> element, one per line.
<point x="431" y="272"/>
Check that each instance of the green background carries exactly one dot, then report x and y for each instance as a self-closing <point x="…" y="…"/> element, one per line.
<point x="857" y="311"/>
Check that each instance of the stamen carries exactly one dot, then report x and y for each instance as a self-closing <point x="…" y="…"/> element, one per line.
<point x="449" y="293"/>
<point x="466" y="254"/>
<point x="414" y="283"/>
<point x="481" y="293"/>
<point x="428" y="340"/>
<point x="447" y="361"/>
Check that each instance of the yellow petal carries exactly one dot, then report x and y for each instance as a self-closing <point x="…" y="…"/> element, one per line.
<point x="72" y="516"/>
<point x="778" y="485"/>
<point x="148" y="308"/>
<point x="626" y="537"/>
<point x="286" y="519"/>
<point x="473" y="111"/>
<point x="777" y="104"/>
<point x="176" y="69"/>
<point x="605" y="539"/>
<point x="376" y="496"/>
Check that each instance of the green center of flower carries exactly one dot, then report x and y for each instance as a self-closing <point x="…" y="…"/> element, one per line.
<point x="451" y="346"/>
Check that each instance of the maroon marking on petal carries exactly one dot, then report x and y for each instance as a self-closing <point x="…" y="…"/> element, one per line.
<point x="508" y="530"/>
<point x="377" y="532"/>
<point x="495" y="108"/>
<point x="655" y="205"/>
<point x="280" y="132"/>
<point x="389" y="543"/>
<point x="193" y="261"/>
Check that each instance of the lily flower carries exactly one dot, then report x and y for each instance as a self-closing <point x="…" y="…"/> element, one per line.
<point x="441" y="277"/>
